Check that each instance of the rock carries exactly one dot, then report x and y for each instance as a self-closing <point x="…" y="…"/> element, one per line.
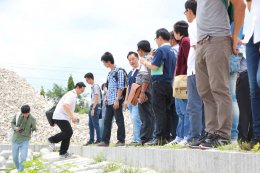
<point x="15" y="91"/>
<point x="6" y="153"/>
<point x="2" y="161"/>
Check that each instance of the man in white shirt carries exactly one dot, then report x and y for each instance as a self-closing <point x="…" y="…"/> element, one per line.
<point x="252" y="38"/>
<point x="194" y="105"/>
<point x="63" y="114"/>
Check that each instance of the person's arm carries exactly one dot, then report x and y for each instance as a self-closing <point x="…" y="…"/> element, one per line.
<point x="33" y="127"/>
<point x="13" y="124"/>
<point x="239" y="15"/>
<point x="126" y="97"/>
<point x="120" y="89"/>
<point x="66" y="108"/>
<point x="142" y="97"/>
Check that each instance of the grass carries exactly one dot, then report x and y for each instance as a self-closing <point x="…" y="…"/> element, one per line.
<point x="129" y="170"/>
<point x="99" y="158"/>
<point x="111" y="167"/>
<point x="231" y="147"/>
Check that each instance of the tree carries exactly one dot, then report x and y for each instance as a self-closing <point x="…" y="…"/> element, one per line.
<point x="42" y="92"/>
<point x="70" y="85"/>
<point x="56" y="93"/>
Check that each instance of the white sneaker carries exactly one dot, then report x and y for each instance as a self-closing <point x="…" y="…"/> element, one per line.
<point x="175" y="141"/>
<point x="51" y="145"/>
<point x="184" y="142"/>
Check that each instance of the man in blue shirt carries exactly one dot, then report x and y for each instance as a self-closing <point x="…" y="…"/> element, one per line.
<point x="162" y="70"/>
<point x="114" y="100"/>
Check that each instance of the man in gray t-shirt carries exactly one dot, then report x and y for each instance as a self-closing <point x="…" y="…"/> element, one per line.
<point x="94" y="110"/>
<point x="213" y="50"/>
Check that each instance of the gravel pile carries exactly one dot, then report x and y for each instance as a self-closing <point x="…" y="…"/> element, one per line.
<point x="15" y="92"/>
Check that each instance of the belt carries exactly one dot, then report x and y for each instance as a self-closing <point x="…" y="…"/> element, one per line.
<point x="204" y="40"/>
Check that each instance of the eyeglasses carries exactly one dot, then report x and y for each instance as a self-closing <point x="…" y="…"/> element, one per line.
<point x="185" y="12"/>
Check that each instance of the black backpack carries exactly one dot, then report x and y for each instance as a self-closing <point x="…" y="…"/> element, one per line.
<point x="49" y="115"/>
<point x="125" y="80"/>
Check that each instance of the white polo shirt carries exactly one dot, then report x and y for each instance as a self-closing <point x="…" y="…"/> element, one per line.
<point x="192" y="53"/>
<point x="69" y="98"/>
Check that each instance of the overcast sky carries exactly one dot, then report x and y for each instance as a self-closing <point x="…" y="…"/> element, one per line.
<point x="45" y="41"/>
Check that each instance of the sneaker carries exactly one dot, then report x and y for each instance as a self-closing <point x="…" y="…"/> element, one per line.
<point x="208" y="142"/>
<point x="102" y="144"/>
<point x="176" y="141"/>
<point x="66" y="155"/>
<point x="220" y="141"/>
<point x="89" y="143"/>
<point x="120" y="144"/>
<point x="184" y="142"/>
<point x="156" y="142"/>
<point x="51" y="145"/>
<point x="195" y="142"/>
<point x="97" y="142"/>
<point x="134" y="143"/>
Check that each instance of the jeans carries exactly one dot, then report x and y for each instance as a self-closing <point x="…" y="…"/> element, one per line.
<point x="93" y="123"/>
<point x="232" y="84"/>
<point x="110" y="113"/>
<point x="161" y="102"/>
<point x="134" y="114"/>
<point x="102" y="120"/>
<point x="253" y="68"/>
<point x="19" y="153"/>
<point x="183" y="128"/>
<point x="194" y="108"/>
<point x="64" y="136"/>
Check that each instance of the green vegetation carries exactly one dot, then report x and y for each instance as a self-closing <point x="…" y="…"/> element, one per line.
<point x="70" y="85"/>
<point x="64" y="168"/>
<point x="129" y="170"/>
<point x="42" y="92"/>
<point x="231" y="147"/>
<point x="99" y="158"/>
<point x="111" y="167"/>
<point x="35" y="166"/>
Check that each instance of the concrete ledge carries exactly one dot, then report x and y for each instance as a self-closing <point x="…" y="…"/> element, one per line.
<point x="172" y="160"/>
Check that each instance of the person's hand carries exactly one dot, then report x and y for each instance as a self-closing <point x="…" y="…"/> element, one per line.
<point x="74" y="119"/>
<point x="235" y="43"/>
<point x="17" y="129"/>
<point x="125" y="105"/>
<point x="92" y="112"/>
<point x="105" y="101"/>
<point x="143" y="60"/>
<point x="116" y="104"/>
<point x="142" y="98"/>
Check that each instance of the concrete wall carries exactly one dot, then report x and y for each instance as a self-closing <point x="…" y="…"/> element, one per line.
<point x="173" y="160"/>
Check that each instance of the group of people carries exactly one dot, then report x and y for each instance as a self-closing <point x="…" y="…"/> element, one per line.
<point x="201" y="50"/>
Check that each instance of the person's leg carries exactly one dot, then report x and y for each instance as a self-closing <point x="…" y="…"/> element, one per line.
<point x="173" y="119"/>
<point x="136" y="123"/>
<point x="130" y="108"/>
<point x="179" y="130"/>
<point x="120" y="123"/>
<point x="91" y="126"/>
<point x="102" y="120"/>
<point x="245" y="114"/>
<point x="203" y="87"/>
<point x="194" y="108"/>
<point x="218" y="73"/>
<point x="64" y="135"/>
<point x="232" y="83"/>
<point x="186" y="118"/>
<point x="95" y="123"/>
<point x="23" y="154"/>
<point x="253" y="67"/>
<point x="15" y="154"/>
<point x="108" y="124"/>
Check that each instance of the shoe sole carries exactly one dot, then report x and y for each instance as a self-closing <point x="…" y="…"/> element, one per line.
<point x="205" y="148"/>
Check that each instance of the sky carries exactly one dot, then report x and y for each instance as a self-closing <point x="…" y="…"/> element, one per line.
<point x="45" y="41"/>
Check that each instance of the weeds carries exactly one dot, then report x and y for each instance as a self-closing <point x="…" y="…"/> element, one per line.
<point x="99" y="158"/>
<point x="111" y="167"/>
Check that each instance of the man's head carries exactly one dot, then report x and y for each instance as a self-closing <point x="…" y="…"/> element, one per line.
<point x="162" y="36"/>
<point x="79" y="87"/>
<point x="89" y="77"/>
<point x="104" y="87"/>
<point x="107" y="59"/>
<point x="173" y="41"/>
<point x="143" y="47"/>
<point x="25" y="110"/>
<point x="133" y="59"/>
<point x="190" y="10"/>
<point x="180" y="29"/>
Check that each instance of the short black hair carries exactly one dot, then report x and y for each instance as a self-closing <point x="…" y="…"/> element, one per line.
<point x="107" y="56"/>
<point x="192" y="5"/>
<point x="172" y="36"/>
<point x="25" y="109"/>
<point x="144" y="45"/>
<point x="134" y="53"/>
<point x="80" y="85"/>
<point x="89" y="75"/>
<point x="103" y="85"/>
<point x="181" y="27"/>
<point x="164" y="33"/>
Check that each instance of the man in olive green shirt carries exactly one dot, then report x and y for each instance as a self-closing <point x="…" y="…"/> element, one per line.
<point x="23" y="125"/>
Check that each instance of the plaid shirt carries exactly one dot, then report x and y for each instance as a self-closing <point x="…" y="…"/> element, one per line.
<point x="114" y="85"/>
